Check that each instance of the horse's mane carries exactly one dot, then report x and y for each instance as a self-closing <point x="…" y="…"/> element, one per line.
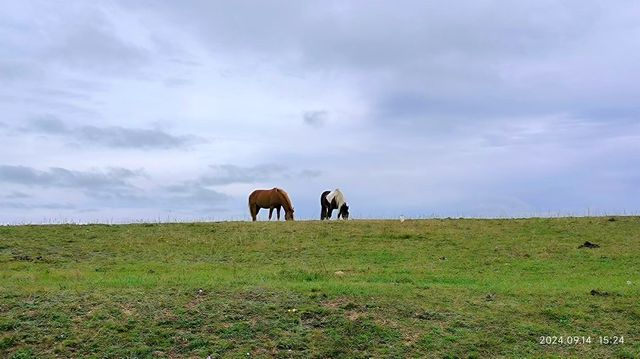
<point x="285" y="198"/>
<point x="338" y="196"/>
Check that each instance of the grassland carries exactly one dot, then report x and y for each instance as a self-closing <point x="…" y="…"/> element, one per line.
<point x="428" y="288"/>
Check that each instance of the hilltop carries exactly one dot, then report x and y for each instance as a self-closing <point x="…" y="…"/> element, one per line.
<point x="434" y="288"/>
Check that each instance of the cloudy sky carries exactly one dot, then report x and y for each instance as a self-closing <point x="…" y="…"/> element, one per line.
<point x="176" y="110"/>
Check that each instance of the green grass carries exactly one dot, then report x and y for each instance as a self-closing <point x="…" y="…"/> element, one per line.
<point x="356" y="289"/>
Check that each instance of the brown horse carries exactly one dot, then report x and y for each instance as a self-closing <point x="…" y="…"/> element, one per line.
<point x="270" y="198"/>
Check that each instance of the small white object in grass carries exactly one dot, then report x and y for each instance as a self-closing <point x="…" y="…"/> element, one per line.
<point x="628" y="282"/>
<point x="401" y="218"/>
<point x="339" y="273"/>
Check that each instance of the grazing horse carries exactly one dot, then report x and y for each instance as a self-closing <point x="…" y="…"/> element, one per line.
<point x="330" y="200"/>
<point x="270" y="198"/>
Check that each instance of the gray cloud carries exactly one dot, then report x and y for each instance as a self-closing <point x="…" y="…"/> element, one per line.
<point x="113" y="178"/>
<point x="227" y="174"/>
<point x="69" y="38"/>
<point x="420" y="60"/>
<point x="47" y="125"/>
<point x="310" y="173"/>
<point x="190" y="193"/>
<point x="16" y="195"/>
<point x="183" y="196"/>
<point x="133" y="138"/>
<point x="111" y="188"/>
<point x="91" y="44"/>
<point x="15" y="70"/>
<point x="324" y="35"/>
<point x="74" y="94"/>
<point x="230" y="174"/>
<point x="114" y="136"/>
<point x="416" y="106"/>
<point x="26" y="206"/>
<point x="176" y="82"/>
<point x="315" y="118"/>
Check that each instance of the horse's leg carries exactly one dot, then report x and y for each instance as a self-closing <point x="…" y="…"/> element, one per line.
<point x="323" y="210"/>
<point x="329" y="212"/>
<point x="270" y="212"/>
<point x="254" y="212"/>
<point x="278" y="212"/>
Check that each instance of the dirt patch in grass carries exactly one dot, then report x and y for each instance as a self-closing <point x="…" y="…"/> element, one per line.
<point x="599" y="293"/>
<point x="354" y="315"/>
<point x="589" y="245"/>
<point x="336" y="303"/>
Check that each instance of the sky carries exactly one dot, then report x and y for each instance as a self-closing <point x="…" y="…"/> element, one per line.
<point x="126" y="111"/>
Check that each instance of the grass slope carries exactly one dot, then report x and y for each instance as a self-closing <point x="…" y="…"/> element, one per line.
<point x="428" y="288"/>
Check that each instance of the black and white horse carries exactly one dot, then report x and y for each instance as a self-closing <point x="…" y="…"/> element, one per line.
<point x="330" y="200"/>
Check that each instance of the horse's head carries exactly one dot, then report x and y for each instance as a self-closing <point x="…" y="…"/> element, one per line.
<point x="288" y="215"/>
<point x="344" y="211"/>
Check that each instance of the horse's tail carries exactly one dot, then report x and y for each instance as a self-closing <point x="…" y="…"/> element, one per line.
<point x="249" y="204"/>
<point x="251" y="197"/>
